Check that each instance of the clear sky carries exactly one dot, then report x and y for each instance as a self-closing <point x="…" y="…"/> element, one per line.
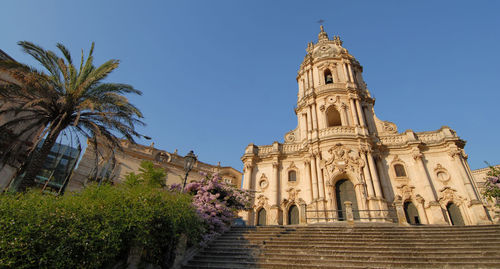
<point x="218" y="75"/>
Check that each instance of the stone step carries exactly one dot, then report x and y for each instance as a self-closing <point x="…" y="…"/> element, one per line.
<point x="492" y="252"/>
<point x="359" y="235"/>
<point x="419" y="232"/>
<point x="321" y="259"/>
<point x="371" y="241"/>
<point x="355" y="248"/>
<point x="374" y="227"/>
<point x="287" y="263"/>
<point x="343" y="244"/>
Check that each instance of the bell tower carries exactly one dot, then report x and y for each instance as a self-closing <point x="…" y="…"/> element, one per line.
<point x="332" y="91"/>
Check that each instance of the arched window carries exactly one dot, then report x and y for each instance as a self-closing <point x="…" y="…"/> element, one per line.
<point x="292" y="176"/>
<point x="328" y="76"/>
<point x="333" y="117"/>
<point x="400" y="170"/>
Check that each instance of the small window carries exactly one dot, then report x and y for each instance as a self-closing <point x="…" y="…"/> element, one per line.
<point x="328" y="76"/>
<point x="400" y="170"/>
<point x="292" y="176"/>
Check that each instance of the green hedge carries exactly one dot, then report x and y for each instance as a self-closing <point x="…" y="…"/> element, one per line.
<point x="94" y="228"/>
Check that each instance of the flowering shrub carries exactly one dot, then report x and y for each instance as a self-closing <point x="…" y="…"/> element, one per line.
<point x="216" y="202"/>
<point x="492" y="189"/>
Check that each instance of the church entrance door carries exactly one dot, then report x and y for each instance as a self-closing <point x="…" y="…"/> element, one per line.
<point x="261" y="217"/>
<point x="344" y="191"/>
<point x="293" y="215"/>
<point x="454" y="213"/>
<point x="411" y="213"/>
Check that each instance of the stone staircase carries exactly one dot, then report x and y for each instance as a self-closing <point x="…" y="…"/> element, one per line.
<point x="359" y="246"/>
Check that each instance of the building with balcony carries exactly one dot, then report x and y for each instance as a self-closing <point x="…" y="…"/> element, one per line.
<point x="115" y="165"/>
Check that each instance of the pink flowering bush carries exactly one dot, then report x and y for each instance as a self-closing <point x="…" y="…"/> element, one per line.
<point x="492" y="189"/>
<point x="217" y="203"/>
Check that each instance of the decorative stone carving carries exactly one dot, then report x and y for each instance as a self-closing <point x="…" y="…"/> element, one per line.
<point x="163" y="157"/>
<point x="263" y="182"/>
<point x="293" y="198"/>
<point x="290" y="137"/>
<point x="441" y="173"/>
<point x="405" y="192"/>
<point x="390" y="127"/>
<point x="343" y="159"/>
<point x="447" y="195"/>
<point x="261" y="201"/>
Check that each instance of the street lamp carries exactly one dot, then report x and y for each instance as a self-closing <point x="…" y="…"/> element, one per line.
<point x="189" y="161"/>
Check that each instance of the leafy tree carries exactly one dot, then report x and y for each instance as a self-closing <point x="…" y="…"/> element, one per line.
<point x="63" y="96"/>
<point x="154" y="177"/>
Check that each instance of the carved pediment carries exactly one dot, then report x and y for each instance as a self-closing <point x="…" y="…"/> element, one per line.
<point x="343" y="159"/>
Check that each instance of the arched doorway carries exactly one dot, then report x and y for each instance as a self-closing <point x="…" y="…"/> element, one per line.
<point x="293" y="215"/>
<point x="455" y="215"/>
<point x="411" y="213"/>
<point x="261" y="217"/>
<point x="344" y="191"/>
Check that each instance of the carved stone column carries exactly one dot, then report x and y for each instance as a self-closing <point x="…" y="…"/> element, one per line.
<point x="421" y="209"/>
<point x="314" y="118"/>
<point x="353" y="112"/>
<point x="321" y="184"/>
<point x="247" y="169"/>
<point x="373" y="172"/>
<point x="307" y="165"/>
<point x="368" y="179"/>
<point x="303" y="123"/>
<point x="345" y="121"/>
<point x="314" y="178"/>
<point x="309" y="123"/>
<point x="247" y="185"/>
<point x="275" y="192"/>
<point x="350" y="72"/>
<point x="345" y="72"/>
<point x="360" y="113"/>
<point x="276" y="184"/>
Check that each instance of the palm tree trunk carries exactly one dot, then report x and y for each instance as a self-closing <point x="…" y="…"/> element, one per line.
<point x="37" y="161"/>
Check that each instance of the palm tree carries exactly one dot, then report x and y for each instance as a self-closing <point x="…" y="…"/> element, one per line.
<point x="64" y="97"/>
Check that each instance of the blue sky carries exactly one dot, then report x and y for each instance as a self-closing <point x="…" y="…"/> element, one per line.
<point x="218" y="75"/>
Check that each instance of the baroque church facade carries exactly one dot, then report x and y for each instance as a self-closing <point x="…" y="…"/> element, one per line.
<point x="342" y="155"/>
